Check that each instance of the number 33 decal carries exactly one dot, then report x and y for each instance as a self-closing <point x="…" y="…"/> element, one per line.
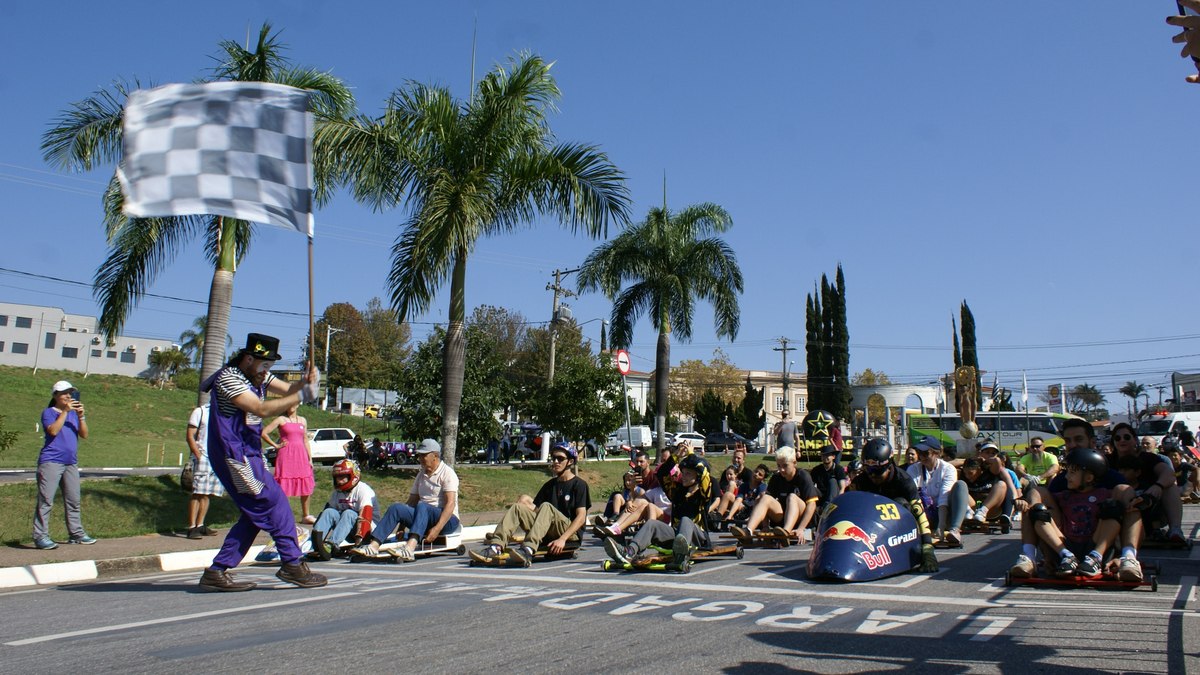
<point x="888" y="512"/>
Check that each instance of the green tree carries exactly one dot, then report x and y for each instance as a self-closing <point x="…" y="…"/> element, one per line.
<point x="88" y="135"/>
<point x="584" y="402"/>
<point x="709" y="410"/>
<point x="869" y="378"/>
<point x="8" y="437"/>
<point x="508" y="331"/>
<point x="420" y="390"/>
<point x="166" y="363"/>
<point x="814" y="351"/>
<point x="660" y="268"/>
<point x="466" y="170"/>
<point x="970" y="354"/>
<point x="191" y="341"/>
<point x="692" y="377"/>
<point x="1133" y="390"/>
<point x="749" y="417"/>
<point x="1086" y="400"/>
<point x="957" y="351"/>
<point x="354" y="360"/>
<point x="390" y="338"/>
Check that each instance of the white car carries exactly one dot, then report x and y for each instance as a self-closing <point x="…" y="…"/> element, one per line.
<point x="329" y="445"/>
<point x="694" y="440"/>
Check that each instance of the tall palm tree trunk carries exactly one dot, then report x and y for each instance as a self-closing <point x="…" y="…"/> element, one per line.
<point x="220" y="300"/>
<point x="662" y="369"/>
<point x="454" y="359"/>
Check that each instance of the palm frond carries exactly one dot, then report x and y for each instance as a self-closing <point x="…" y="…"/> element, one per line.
<point x="88" y="133"/>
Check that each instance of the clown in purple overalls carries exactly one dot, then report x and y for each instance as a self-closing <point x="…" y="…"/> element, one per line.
<point x="237" y="407"/>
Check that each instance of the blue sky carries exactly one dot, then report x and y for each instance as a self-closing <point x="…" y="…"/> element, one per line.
<point x="1030" y="158"/>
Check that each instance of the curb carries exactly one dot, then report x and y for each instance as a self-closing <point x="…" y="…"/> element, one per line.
<point x="180" y="561"/>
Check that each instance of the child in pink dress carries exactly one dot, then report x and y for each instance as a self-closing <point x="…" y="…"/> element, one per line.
<point x="293" y="464"/>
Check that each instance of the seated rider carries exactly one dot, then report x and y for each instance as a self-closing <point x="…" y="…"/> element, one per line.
<point x="748" y="497"/>
<point x="689" y="500"/>
<point x="994" y="463"/>
<point x="789" y="503"/>
<point x="1081" y="522"/>
<point x="654" y="504"/>
<point x="347" y="514"/>
<point x="1186" y="475"/>
<point x="618" y="500"/>
<point x="431" y="509"/>
<point x="1157" y="491"/>
<point x="1037" y="465"/>
<point x="881" y="476"/>
<point x="728" y="489"/>
<point x="553" y="517"/>
<point x="986" y="491"/>
<point x="829" y="476"/>
<point x="945" y="497"/>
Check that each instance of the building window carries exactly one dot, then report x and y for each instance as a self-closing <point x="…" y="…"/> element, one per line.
<point x="96" y="353"/>
<point x="50" y="340"/>
<point x="779" y="407"/>
<point x="20" y="348"/>
<point x="801" y="404"/>
<point x="24" y="322"/>
<point x="70" y="352"/>
<point x="111" y="355"/>
<point x="128" y="357"/>
<point x="3" y="319"/>
<point x="1" y="345"/>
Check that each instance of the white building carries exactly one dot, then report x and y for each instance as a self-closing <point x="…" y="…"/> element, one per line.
<point x="32" y="336"/>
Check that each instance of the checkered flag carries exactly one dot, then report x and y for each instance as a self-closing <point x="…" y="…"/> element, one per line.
<point x="237" y="149"/>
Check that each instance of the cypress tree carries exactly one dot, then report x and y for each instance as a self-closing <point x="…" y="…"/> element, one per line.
<point x="957" y="352"/>
<point x="812" y="349"/>
<point x="970" y="355"/>
<point x="841" y="342"/>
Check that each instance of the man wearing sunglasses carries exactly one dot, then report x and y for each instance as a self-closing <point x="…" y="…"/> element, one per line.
<point x="1037" y="466"/>
<point x="557" y="513"/>
<point x="881" y="476"/>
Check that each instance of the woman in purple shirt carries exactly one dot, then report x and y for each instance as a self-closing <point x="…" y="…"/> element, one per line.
<point x="64" y="422"/>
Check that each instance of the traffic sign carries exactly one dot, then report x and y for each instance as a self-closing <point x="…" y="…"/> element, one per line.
<point x="622" y="361"/>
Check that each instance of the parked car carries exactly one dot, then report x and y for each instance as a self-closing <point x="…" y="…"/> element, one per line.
<point x="371" y="410"/>
<point x="329" y="445"/>
<point x="636" y="437"/>
<point x="694" y="440"/>
<point x="724" y="441"/>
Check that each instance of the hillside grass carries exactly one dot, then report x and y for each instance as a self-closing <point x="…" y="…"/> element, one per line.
<point x="130" y="422"/>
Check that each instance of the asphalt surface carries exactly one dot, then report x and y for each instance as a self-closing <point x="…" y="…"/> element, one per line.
<point x="756" y="614"/>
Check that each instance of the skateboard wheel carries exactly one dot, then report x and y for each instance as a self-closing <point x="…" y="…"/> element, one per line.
<point x="461" y="550"/>
<point x="740" y="552"/>
<point x="1154" y="584"/>
<point x="606" y="565"/>
<point x="574" y="554"/>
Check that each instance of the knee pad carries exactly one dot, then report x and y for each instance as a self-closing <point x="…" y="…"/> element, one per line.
<point x="1039" y="513"/>
<point x="1111" y="509"/>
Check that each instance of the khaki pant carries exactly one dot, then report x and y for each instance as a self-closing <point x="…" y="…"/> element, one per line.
<point x="545" y="523"/>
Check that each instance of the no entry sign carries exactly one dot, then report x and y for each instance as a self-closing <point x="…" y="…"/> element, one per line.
<point x="622" y="361"/>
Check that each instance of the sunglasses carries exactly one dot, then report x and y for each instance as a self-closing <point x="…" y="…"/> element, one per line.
<point x="558" y="459"/>
<point x="876" y="469"/>
<point x="1035" y="447"/>
<point x="1124" y="437"/>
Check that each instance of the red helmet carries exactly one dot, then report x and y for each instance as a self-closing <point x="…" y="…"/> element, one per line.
<point x="345" y="475"/>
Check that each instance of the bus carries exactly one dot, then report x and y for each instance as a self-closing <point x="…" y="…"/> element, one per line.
<point x="1016" y="429"/>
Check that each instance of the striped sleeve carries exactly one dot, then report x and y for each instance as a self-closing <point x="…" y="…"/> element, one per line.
<point x="243" y="477"/>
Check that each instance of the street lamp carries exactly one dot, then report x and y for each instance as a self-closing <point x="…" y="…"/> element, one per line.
<point x="329" y="331"/>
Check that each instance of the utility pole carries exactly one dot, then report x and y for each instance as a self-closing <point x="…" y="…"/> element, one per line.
<point x="1160" y="392"/>
<point x="329" y="331"/>
<point x="783" y="347"/>
<point x="565" y="292"/>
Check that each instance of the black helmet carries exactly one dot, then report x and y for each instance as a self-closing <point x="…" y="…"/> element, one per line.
<point x="1089" y="460"/>
<point x="876" y="450"/>
<point x="692" y="463"/>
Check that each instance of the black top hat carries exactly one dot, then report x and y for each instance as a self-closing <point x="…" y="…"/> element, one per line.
<point x="261" y="347"/>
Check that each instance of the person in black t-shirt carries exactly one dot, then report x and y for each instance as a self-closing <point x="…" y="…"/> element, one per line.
<point x="829" y="476"/>
<point x="788" y="505"/>
<point x="881" y="476"/>
<point x="689" y="501"/>
<point x="557" y="513"/>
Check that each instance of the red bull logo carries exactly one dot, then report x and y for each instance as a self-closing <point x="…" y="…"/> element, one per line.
<point x="875" y="560"/>
<point x="845" y="529"/>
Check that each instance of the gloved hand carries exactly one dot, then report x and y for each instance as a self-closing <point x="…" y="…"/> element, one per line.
<point x="928" y="559"/>
<point x="312" y="387"/>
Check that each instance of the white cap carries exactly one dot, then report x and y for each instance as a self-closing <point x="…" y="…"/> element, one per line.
<point x="61" y="385"/>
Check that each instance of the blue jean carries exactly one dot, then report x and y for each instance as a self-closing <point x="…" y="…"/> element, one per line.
<point x="415" y="518"/>
<point x="337" y="525"/>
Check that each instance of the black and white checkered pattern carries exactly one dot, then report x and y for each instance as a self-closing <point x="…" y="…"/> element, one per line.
<point x="237" y="149"/>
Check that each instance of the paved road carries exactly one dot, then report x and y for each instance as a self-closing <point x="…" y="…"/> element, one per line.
<point x="727" y="615"/>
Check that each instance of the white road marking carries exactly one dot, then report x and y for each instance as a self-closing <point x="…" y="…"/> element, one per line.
<point x="176" y="619"/>
<point x="711" y="568"/>
<point x="777" y="575"/>
<point x="995" y="625"/>
<point x="1187" y="592"/>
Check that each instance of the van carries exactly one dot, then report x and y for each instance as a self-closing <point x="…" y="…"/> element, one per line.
<point x="636" y="437"/>
<point x="1159" y="424"/>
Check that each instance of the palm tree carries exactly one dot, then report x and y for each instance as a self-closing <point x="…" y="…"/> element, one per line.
<point x="88" y="135"/>
<point x="669" y="261"/>
<point x="466" y="170"/>
<point x="192" y="340"/>
<point x="166" y="363"/>
<point x="1133" y="390"/>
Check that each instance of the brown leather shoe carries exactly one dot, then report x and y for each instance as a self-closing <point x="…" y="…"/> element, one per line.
<point x="299" y="574"/>
<point x="223" y="581"/>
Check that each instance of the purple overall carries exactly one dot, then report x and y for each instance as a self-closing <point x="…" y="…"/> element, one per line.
<point x="235" y="452"/>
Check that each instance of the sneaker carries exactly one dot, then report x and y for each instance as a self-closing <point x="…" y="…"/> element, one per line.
<point x="45" y="543"/>
<point x="1175" y="536"/>
<point x="404" y="554"/>
<point x="1005" y="522"/>
<point x="1023" y="569"/>
<point x="207" y="531"/>
<point x="980" y="516"/>
<point x="223" y="581"/>
<point x="522" y="553"/>
<point x="486" y="554"/>
<point x="681" y="552"/>
<point x="599" y="521"/>
<point x="1089" y="567"/>
<point x="82" y="539"/>
<point x="1067" y="567"/>
<point x="298" y="573"/>
<point x="617" y="552"/>
<point x="740" y="533"/>
<point x="1130" y="569"/>
<point x="367" y="550"/>
<point x="953" y="538"/>
<point x="195" y="533"/>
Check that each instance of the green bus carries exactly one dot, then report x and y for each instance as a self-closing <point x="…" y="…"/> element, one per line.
<point x="1016" y="429"/>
